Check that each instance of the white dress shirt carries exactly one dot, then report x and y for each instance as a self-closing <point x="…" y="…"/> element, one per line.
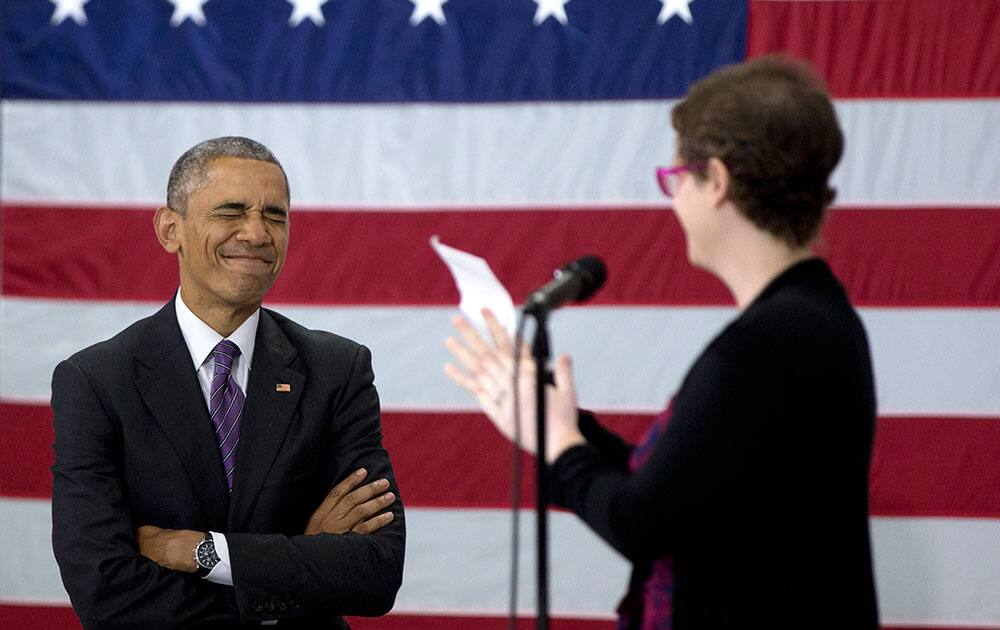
<point x="201" y="339"/>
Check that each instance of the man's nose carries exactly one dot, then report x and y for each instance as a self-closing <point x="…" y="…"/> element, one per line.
<point x="254" y="229"/>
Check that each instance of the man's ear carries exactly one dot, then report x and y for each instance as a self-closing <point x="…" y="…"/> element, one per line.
<point x="721" y="180"/>
<point x="165" y="223"/>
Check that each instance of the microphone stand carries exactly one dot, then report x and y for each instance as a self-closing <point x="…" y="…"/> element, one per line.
<point x="540" y="352"/>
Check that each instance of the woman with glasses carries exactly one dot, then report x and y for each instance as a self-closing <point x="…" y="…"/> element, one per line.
<point x="746" y="505"/>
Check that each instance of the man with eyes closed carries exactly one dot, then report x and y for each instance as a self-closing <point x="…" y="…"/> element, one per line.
<point x="216" y="464"/>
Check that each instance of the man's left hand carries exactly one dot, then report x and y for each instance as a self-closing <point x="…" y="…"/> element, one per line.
<point x="169" y="548"/>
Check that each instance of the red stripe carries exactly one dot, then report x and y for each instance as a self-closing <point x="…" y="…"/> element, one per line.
<point x="63" y="618"/>
<point x="422" y="622"/>
<point x="916" y="257"/>
<point x="911" y="257"/>
<point x="918" y="48"/>
<point x="936" y="467"/>
<point x="26" y="458"/>
<point x="423" y="448"/>
<point x="921" y="467"/>
<point x="414" y="622"/>
<point x="33" y="616"/>
<point x="460" y="461"/>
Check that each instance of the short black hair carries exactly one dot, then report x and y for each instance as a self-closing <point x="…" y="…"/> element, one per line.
<point x="190" y="169"/>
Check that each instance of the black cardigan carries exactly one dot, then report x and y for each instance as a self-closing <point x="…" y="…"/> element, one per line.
<point x="759" y="486"/>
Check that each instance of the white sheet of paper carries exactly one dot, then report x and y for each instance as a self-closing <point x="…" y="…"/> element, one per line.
<point x="478" y="287"/>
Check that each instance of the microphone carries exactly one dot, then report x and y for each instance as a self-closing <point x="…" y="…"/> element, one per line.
<point x="574" y="282"/>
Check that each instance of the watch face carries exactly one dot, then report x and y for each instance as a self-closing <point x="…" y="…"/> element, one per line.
<point x="206" y="555"/>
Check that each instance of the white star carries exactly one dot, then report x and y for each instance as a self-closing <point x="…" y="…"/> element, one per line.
<point x="423" y="9"/>
<point x="311" y="9"/>
<point x="554" y="8"/>
<point x="184" y="9"/>
<point x="679" y="8"/>
<point x="69" y="9"/>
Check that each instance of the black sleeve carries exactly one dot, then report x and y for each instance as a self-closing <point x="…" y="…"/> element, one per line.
<point x="713" y="455"/>
<point x="93" y="532"/>
<point x="609" y="444"/>
<point x="278" y="576"/>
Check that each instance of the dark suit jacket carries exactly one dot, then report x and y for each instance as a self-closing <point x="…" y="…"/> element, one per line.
<point x="134" y="446"/>
<point x="758" y="488"/>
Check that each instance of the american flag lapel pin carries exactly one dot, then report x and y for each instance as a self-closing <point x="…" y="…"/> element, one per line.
<point x="283" y="388"/>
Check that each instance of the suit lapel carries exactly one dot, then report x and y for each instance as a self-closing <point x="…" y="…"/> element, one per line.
<point x="171" y="391"/>
<point x="266" y="417"/>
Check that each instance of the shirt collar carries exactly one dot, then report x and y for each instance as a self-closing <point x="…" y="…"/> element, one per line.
<point x="201" y="339"/>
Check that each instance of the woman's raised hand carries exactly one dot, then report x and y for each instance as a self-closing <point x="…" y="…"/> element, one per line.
<point x="487" y="372"/>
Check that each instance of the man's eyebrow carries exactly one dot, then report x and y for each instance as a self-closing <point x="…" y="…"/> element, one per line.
<point x="232" y="205"/>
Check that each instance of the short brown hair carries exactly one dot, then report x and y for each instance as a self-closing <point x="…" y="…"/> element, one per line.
<point x="771" y="122"/>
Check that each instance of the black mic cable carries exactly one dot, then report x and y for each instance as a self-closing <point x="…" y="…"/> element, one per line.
<point x="515" y="497"/>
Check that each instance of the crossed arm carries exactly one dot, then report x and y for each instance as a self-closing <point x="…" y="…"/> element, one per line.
<point x="346" y="508"/>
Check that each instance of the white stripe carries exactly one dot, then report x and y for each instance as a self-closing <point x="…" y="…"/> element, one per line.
<point x="28" y="571"/>
<point x="230" y="432"/>
<point x="231" y="403"/>
<point x="937" y="571"/>
<point x="929" y="571"/>
<point x="899" y="152"/>
<point x="217" y="409"/>
<point x="927" y="361"/>
<point x="219" y="389"/>
<point x="230" y="453"/>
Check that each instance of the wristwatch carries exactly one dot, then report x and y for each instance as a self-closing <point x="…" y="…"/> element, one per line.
<point x="205" y="557"/>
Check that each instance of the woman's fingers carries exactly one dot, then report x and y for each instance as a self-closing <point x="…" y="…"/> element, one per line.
<point x="485" y="369"/>
<point x="472" y="338"/>
<point x="458" y="350"/>
<point x="499" y="333"/>
<point x="482" y="368"/>
<point x="462" y="379"/>
<point x="483" y="387"/>
<point x="491" y="401"/>
<point x="563" y="375"/>
<point x="492" y="366"/>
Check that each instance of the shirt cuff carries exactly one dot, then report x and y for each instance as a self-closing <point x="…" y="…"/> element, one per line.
<point x="221" y="573"/>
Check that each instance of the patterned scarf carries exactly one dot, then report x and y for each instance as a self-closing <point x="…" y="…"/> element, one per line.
<point x="648" y="603"/>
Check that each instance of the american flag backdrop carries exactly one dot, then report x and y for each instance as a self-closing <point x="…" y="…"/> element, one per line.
<point x="525" y="131"/>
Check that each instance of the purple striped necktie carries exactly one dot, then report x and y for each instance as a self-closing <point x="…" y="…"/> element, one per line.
<point x="226" y="405"/>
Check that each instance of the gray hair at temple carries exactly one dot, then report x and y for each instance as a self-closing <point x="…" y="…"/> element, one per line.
<point x="191" y="169"/>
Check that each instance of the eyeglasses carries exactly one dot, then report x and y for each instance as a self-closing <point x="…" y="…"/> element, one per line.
<point x="669" y="177"/>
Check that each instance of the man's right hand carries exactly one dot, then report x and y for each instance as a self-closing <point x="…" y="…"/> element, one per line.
<point x="348" y="508"/>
